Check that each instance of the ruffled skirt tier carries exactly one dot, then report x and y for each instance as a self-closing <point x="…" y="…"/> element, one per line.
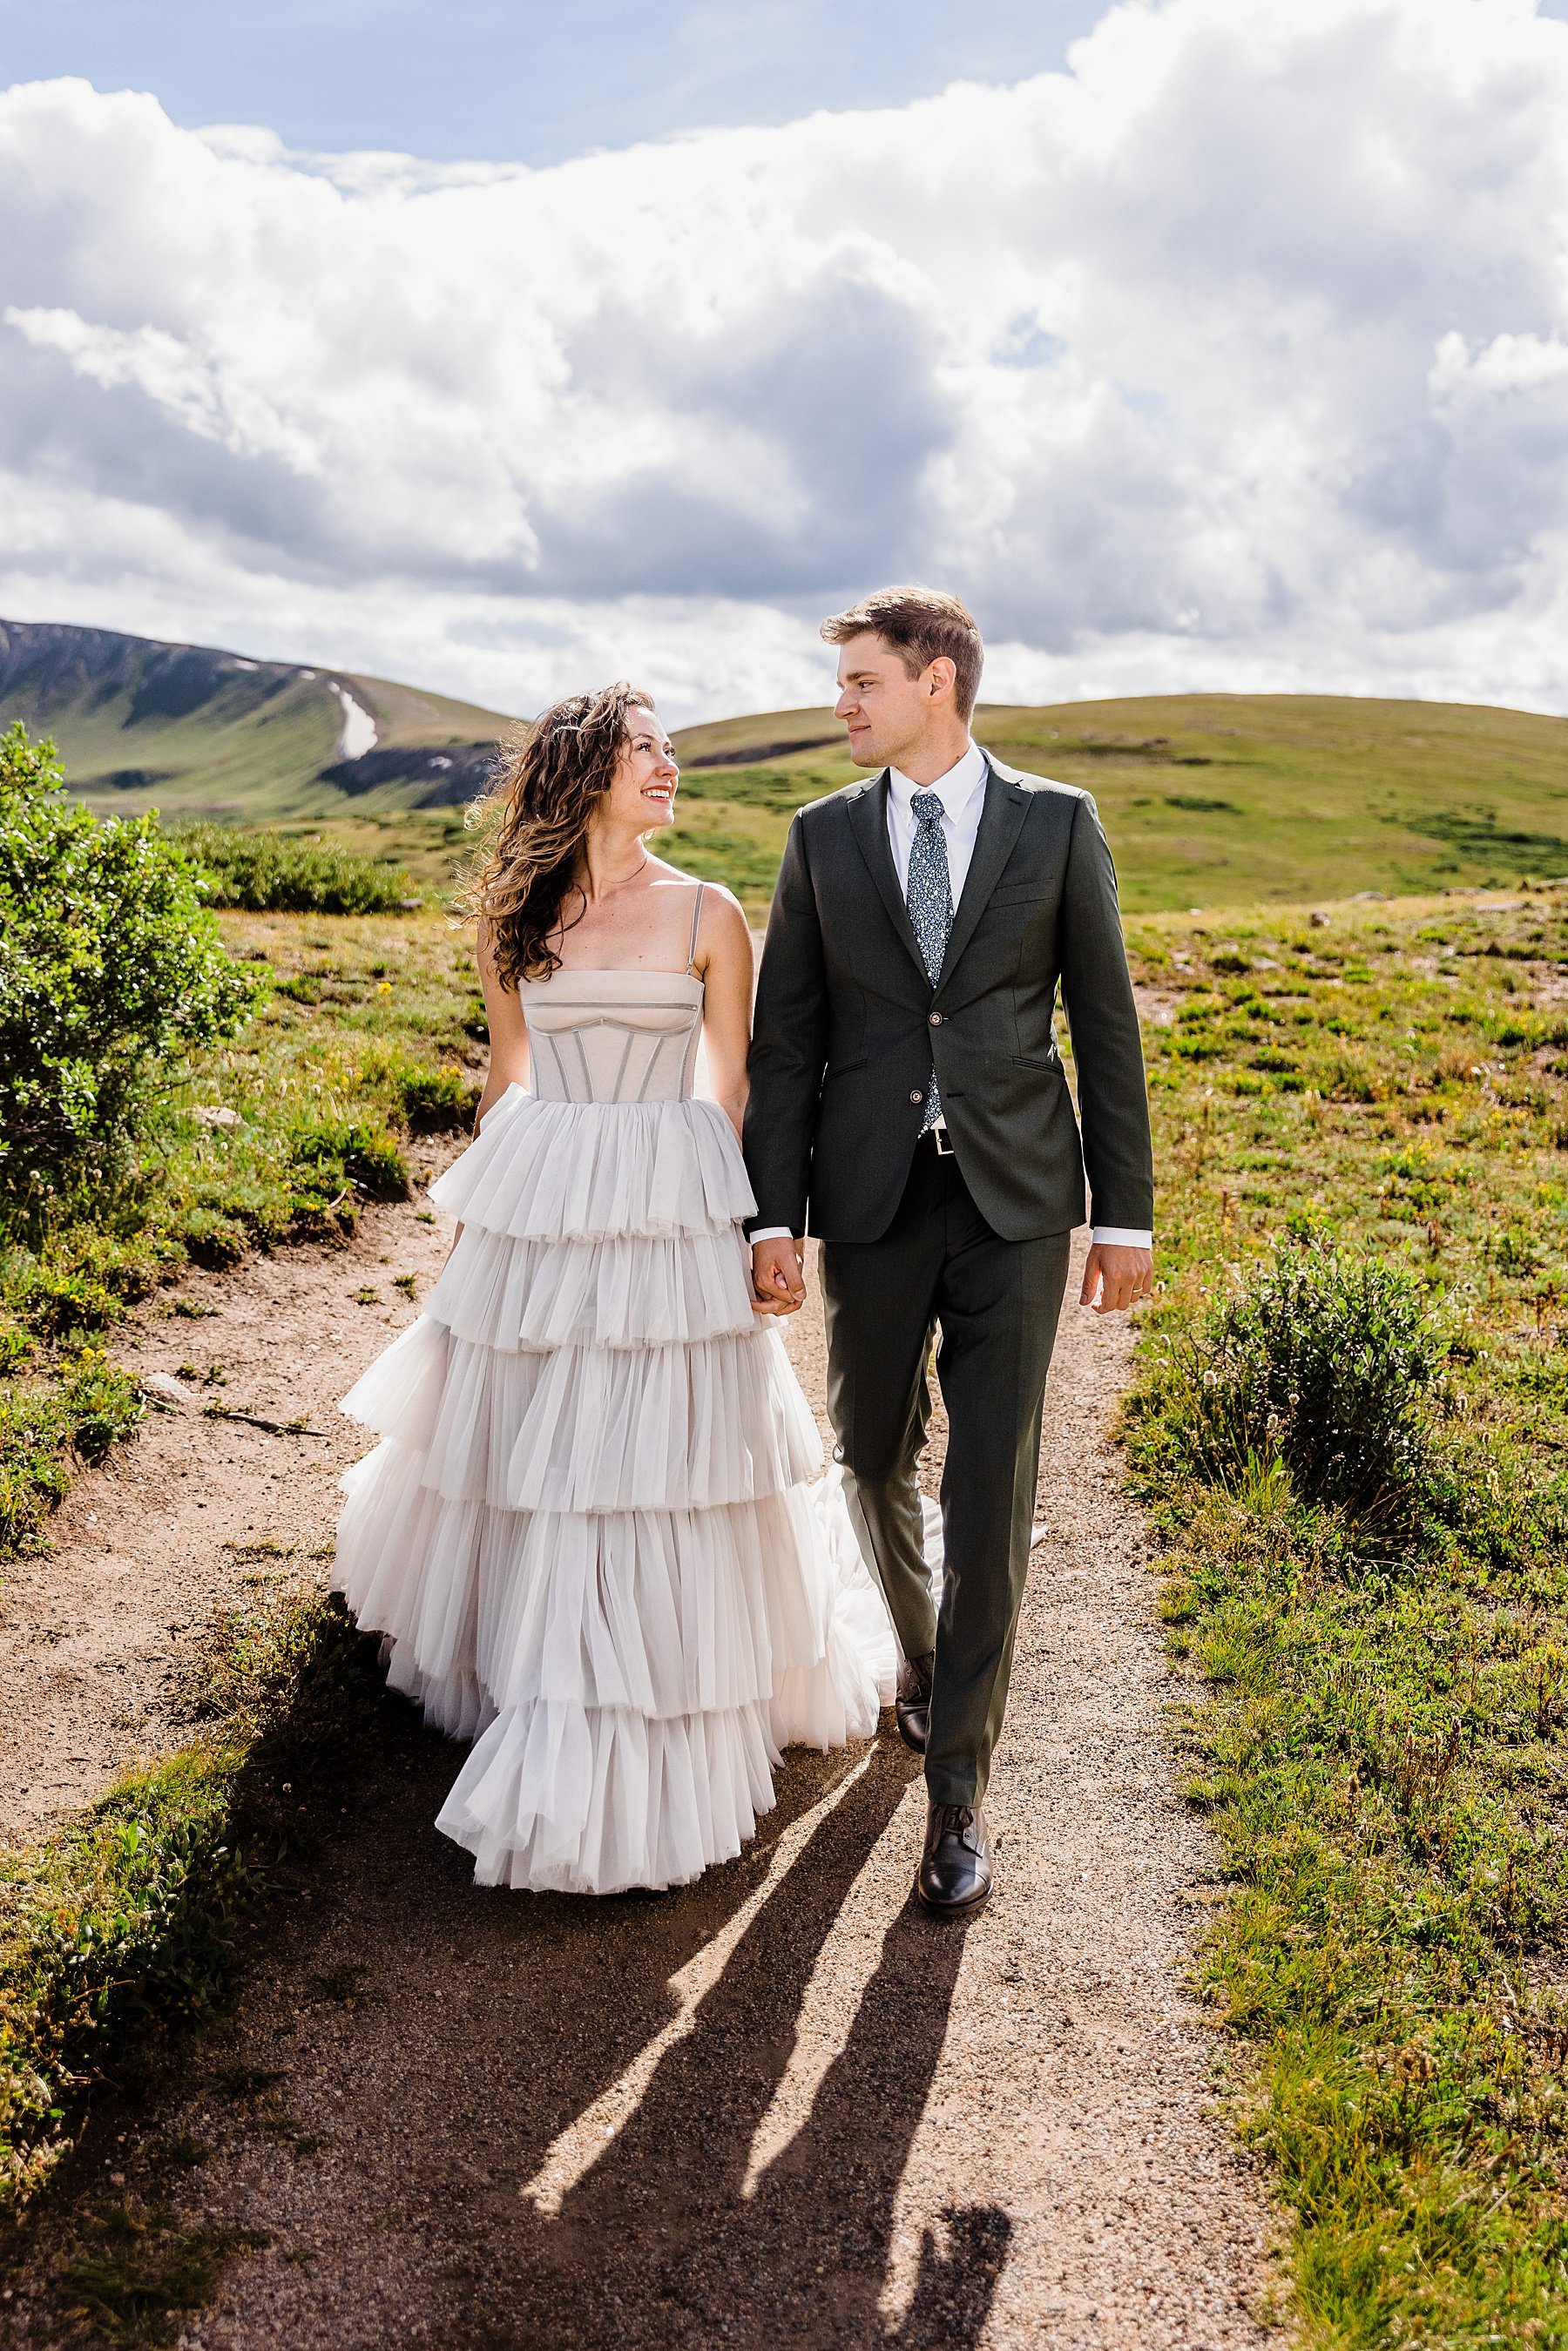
<point x="586" y="1534"/>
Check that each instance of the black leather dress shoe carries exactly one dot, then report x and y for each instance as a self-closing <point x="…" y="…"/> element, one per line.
<point x="955" y="1872"/>
<point x="912" y="1700"/>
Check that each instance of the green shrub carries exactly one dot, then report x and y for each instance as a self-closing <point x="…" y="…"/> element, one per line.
<point x="339" y="1154"/>
<point x="35" y="1431"/>
<point x="1328" y="1365"/>
<point x="439" y="1101"/>
<point x="108" y="964"/>
<point x="91" y="1406"/>
<point x="425" y="1100"/>
<point x="104" y="1403"/>
<point x="268" y="873"/>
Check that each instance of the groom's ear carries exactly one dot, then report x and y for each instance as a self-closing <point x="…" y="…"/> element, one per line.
<point x="941" y="678"/>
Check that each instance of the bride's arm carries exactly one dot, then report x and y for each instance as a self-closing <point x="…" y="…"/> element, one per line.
<point x="724" y="965"/>
<point x="509" y="1030"/>
<point x="508" y="1035"/>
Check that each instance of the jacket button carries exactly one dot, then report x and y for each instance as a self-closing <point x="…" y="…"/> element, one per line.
<point x="935" y="1020"/>
<point x="918" y="1097"/>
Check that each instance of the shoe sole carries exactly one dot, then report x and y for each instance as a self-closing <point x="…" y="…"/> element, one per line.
<point x="952" y="1909"/>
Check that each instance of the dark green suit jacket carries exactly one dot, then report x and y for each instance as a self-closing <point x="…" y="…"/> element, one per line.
<point x="848" y="1025"/>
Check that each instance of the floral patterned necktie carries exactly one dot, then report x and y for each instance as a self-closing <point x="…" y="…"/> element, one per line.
<point x="929" y="898"/>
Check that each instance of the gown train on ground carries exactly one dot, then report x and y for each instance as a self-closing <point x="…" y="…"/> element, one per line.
<point x="586" y="1535"/>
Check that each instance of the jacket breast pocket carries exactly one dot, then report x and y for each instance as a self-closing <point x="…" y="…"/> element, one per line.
<point x="1026" y="893"/>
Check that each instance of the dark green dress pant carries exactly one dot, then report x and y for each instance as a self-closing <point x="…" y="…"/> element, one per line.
<point x="994" y="1304"/>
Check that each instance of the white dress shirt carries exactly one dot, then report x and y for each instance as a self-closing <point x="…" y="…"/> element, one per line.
<point x="962" y="792"/>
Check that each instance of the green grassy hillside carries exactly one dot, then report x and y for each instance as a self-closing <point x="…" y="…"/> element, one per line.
<point x="1209" y="799"/>
<point x="196" y="732"/>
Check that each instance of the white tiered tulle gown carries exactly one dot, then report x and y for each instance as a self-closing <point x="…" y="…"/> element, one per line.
<point x="586" y="1534"/>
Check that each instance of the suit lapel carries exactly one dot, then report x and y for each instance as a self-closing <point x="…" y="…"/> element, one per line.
<point x="1002" y="822"/>
<point x="868" y="822"/>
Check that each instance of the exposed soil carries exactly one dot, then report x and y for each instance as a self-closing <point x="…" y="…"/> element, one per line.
<point x="195" y="1511"/>
<point x="782" y="2106"/>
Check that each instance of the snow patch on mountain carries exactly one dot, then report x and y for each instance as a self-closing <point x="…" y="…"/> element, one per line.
<point x="358" y="733"/>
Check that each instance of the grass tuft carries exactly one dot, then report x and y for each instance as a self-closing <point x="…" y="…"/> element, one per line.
<point x="123" y="1928"/>
<point x="268" y="873"/>
<point x="1351" y="1426"/>
<point x="135" y="2272"/>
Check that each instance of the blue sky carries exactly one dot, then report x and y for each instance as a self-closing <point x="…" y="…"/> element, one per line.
<point x="525" y="80"/>
<point x="1199" y="344"/>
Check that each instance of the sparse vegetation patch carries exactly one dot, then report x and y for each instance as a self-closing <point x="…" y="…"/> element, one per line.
<point x="124" y="1928"/>
<point x="1352" y="1427"/>
<point x="276" y="872"/>
<point x="202" y="1085"/>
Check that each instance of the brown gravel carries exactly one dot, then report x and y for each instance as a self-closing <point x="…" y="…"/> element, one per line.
<point x="781" y="2106"/>
<point x="194" y="1513"/>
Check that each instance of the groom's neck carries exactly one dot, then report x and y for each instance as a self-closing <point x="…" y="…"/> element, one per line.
<point x="936" y="748"/>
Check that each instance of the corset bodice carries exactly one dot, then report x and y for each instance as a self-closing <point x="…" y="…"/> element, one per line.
<point x="612" y="1036"/>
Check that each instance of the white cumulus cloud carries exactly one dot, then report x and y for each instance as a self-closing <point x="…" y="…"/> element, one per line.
<point x="1234" y="356"/>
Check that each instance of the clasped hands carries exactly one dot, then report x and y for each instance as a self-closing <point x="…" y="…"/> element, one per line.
<point x="777" y="1277"/>
<point x="1113" y="1278"/>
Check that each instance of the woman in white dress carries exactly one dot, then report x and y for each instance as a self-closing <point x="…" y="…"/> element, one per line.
<point x="586" y="1535"/>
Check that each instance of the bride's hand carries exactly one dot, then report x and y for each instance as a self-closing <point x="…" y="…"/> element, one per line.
<point x="778" y="1280"/>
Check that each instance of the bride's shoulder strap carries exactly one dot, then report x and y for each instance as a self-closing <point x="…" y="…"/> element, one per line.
<point x="696" y="921"/>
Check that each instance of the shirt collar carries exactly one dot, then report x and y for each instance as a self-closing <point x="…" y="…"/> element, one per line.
<point x="956" y="790"/>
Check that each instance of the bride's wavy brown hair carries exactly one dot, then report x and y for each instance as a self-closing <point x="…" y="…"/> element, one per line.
<point x="550" y="778"/>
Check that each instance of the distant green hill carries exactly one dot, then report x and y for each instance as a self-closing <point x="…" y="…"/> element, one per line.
<point x="1209" y="799"/>
<point x="194" y="731"/>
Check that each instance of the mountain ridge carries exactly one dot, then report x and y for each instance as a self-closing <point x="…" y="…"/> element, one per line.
<point x="1208" y="800"/>
<point x="206" y="731"/>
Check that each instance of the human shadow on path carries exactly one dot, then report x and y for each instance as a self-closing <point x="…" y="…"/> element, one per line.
<point x="659" y="2245"/>
<point x="422" y="2044"/>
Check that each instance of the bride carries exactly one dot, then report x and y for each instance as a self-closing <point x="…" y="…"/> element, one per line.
<point x="586" y="1535"/>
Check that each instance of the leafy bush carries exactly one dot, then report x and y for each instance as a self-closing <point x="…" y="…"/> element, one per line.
<point x="438" y="1102"/>
<point x="93" y="1404"/>
<point x="424" y="1101"/>
<point x="341" y="1152"/>
<point x="108" y="964"/>
<point x="269" y="875"/>
<point x="1328" y="1365"/>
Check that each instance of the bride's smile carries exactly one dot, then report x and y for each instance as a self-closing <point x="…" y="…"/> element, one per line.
<point x="643" y="793"/>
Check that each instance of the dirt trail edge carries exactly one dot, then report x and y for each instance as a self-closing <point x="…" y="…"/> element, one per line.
<point x="201" y="1508"/>
<point x="781" y="2106"/>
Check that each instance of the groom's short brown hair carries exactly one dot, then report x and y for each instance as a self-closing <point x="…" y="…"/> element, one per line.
<point x="921" y="624"/>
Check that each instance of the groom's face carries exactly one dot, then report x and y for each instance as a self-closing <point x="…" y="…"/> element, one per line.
<point x="885" y="710"/>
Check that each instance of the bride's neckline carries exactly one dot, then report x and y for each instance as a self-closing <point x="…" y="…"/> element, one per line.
<point x="611" y="971"/>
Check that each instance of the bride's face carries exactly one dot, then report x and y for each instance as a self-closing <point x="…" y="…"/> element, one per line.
<point x="641" y="794"/>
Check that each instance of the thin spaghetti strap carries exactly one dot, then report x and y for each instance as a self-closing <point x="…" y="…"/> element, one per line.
<point x="696" y="919"/>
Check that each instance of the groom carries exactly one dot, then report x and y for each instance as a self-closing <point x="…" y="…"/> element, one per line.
<point x="908" y="1105"/>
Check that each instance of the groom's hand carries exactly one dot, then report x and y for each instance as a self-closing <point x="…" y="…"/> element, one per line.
<point x="1117" y="1278"/>
<point x="778" y="1280"/>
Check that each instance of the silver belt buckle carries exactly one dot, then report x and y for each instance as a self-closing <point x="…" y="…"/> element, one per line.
<point x="942" y="1139"/>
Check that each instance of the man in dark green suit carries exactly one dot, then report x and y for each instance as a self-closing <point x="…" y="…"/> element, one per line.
<point x="908" y="1106"/>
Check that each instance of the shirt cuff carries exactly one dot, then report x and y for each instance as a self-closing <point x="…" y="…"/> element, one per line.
<point x="1110" y="1235"/>
<point x="771" y="1233"/>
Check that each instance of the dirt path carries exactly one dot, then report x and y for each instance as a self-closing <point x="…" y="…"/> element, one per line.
<point x="196" y="1511"/>
<point x="779" y="2107"/>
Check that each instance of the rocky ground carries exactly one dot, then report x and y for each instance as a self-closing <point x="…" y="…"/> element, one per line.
<point x="780" y="2106"/>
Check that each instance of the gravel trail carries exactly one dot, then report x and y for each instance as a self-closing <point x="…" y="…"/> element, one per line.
<point x="782" y="2106"/>
<point x="196" y="1512"/>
